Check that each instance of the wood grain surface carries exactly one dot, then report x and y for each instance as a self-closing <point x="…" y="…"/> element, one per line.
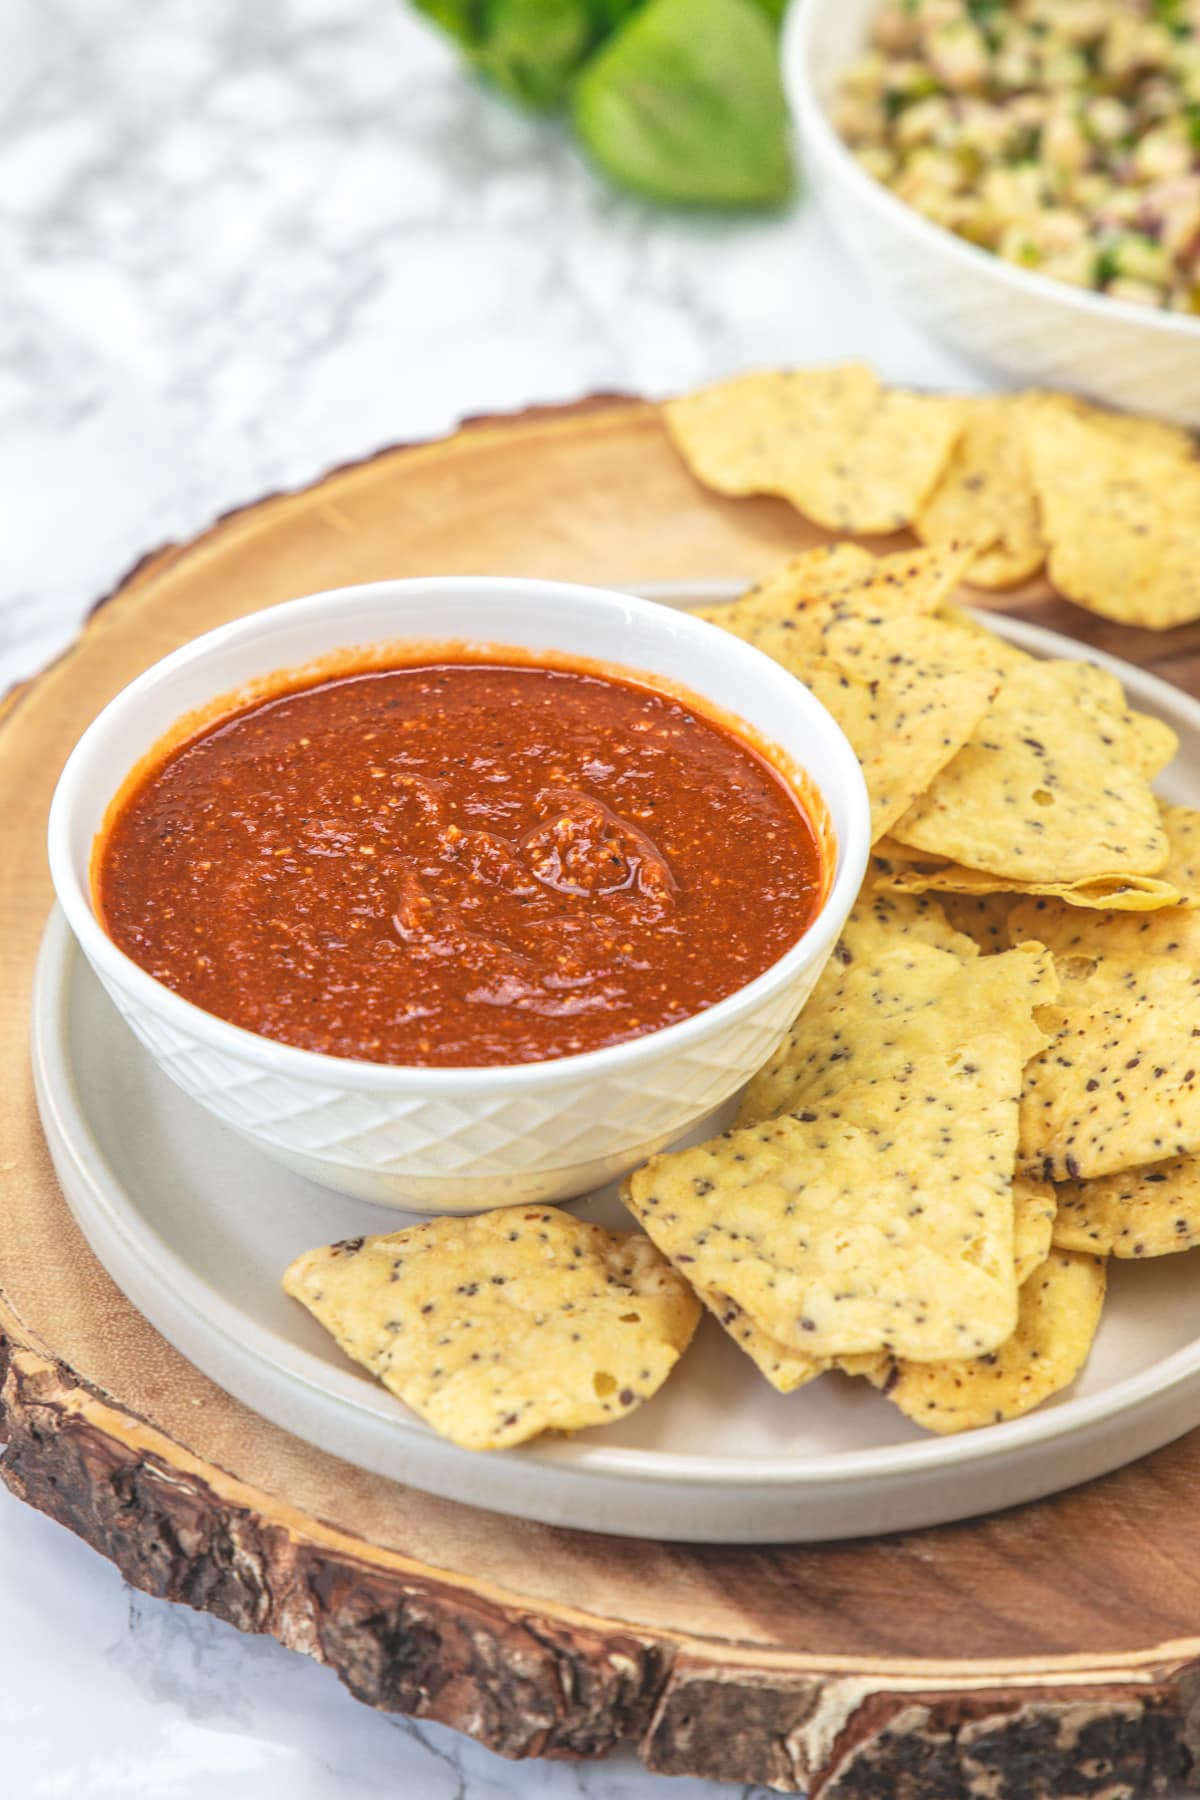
<point x="1054" y="1649"/>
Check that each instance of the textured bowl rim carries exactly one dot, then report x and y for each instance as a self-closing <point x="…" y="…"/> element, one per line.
<point x="809" y="110"/>
<point x="842" y="775"/>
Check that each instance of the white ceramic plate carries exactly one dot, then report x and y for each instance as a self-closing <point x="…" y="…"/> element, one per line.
<point x="196" y="1227"/>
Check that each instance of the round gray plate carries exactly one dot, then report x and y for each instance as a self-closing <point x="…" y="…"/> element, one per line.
<point x="196" y="1227"/>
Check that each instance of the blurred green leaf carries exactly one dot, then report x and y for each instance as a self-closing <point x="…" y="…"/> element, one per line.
<point x="530" y="48"/>
<point x="612" y="12"/>
<point x="534" y="47"/>
<point x="460" y="18"/>
<point x="684" y="103"/>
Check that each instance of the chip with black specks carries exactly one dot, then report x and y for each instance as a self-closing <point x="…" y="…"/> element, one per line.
<point x="498" y="1327"/>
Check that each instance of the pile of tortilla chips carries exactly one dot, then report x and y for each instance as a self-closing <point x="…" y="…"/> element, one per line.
<point x="992" y="1090"/>
<point x="994" y="1087"/>
<point x="1109" y="503"/>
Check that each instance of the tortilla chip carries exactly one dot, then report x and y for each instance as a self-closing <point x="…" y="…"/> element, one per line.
<point x="1126" y="893"/>
<point x="880" y="1219"/>
<point x="1008" y="655"/>
<point x="986" y="491"/>
<point x="981" y="917"/>
<point x="1153" y="1211"/>
<point x="887" y="851"/>
<point x="810" y="585"/>
<point x="1132" y="431"/>
<point x="787" y="1369"/>
<point x="1135" y="1109"/>
<point x="908" y="694"/>
<point x="847" y="452"/>
<point x="881" y="1014"/>
<point x="1152" y="744"/>
<point x="1059" y="1312"/>
<point x="911" y="874"/>
<point x="1118" y="1086"/>
<point x="1147" y="744"/>
<point x="908" y="691"/>
<point x="791" y="609"/>
<point x="887" y="1013"/>
<point x="1122" y="523"/>
<point x="1034" y="1207"/>
<point x="808" y="588"/>
<point x="876" y="919"/>
<point x="1122" y="933"/>
<point x="877" y="922"/>
<point x="1182" y="867"/>
<point x="497" y="1327"/>
<point x="1043" y="791"/>
<point x="985" y="495"/>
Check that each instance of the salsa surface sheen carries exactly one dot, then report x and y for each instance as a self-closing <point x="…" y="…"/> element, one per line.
<point x="459" y="863"/>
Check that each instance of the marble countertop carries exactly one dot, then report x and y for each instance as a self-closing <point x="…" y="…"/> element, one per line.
<point x="239" y="244"/>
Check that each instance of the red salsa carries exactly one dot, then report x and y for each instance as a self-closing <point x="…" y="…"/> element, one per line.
<point x="458" y="863"/>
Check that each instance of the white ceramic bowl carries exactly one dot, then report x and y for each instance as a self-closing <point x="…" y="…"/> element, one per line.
<point x="1024" y="326"/>
<point x="458" y="1139"/>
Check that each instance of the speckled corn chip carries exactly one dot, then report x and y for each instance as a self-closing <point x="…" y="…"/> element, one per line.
<point x="798" y="597"/>
<point x="908" y="693"/>
<point x="847" y="452"/>
<point x="1044" y="790"/>
<point x="497" y="1327"/>
<point x="907" y="1003"/>
<point x="1132" y="431"/>
<point x="1122" y="522"/>
<point x="784" y="1368"/>
<point x="876" y="922"/>
<point x="981" y="917"/>
<point x="787" y="614"/>
<point x="888" y="851"/>
<point x="1060" y="1308"/>
<point x="1033" y="1238"/>
<point x="880" y="1219"/>
<point x="1146" y="743"/>
<point x="1008" y="656"/>
<point x="985" y="494"/>
<point x="1152" y="1211"/>
<point x="1118" y="1086"/>
<point x="1034" y="1208"/>
<point x="908" y="690"/>
<point x="1126" y="893"/>
<point x="1120" y="933"/>
<point x="1182" y="826"/>
<point x="878" y="918"/>
<point x="787" y="1370"/>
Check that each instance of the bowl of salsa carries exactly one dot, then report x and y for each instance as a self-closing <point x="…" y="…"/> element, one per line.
<point x="453" y="892"/>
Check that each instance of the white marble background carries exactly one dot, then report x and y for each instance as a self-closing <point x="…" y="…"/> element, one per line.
<point x="240" y="242"/>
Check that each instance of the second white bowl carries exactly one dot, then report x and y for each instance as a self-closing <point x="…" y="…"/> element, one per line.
<point x="1026" y="327"/>
<point x="461" y="1139"/>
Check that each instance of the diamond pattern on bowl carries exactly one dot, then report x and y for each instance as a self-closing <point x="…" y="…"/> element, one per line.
<point x="435" y="1148"/>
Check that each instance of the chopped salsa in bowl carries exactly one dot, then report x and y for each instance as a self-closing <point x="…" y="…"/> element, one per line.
<point x="1064" y="135"/>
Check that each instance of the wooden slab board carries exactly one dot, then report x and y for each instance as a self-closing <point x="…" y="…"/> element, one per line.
<point x="1054" y="1649"/>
